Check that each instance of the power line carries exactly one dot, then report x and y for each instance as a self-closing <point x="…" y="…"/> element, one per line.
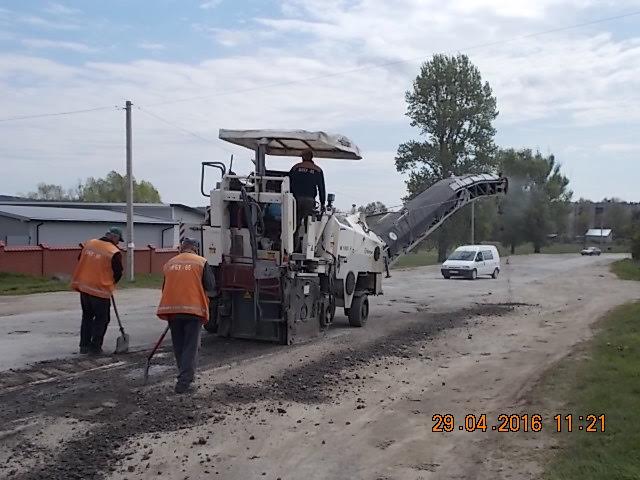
<point x="184" y="130"/>
<point x="56" y="114"/>
<point x="401" y="61"/>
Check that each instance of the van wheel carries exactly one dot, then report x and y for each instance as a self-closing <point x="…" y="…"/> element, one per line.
<point x="495" y="273"/>
<point x="359" y="311"/>
<point x="474" y="274"/>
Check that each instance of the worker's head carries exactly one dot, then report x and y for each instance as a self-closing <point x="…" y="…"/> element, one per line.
<point x="189" y="245"/>
<point x="114" y="235"/>
<point x="307" y="156"/>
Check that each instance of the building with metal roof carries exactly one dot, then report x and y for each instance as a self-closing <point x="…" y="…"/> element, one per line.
<point x="604" y="235"/>
<point x="54" y="225"/>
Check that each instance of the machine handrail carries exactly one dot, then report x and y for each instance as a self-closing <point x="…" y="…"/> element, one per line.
<point x="219" y="165"/>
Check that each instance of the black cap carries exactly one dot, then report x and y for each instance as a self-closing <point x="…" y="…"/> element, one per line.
<point x="116" y="231"/>
<point x="190" y="242"/>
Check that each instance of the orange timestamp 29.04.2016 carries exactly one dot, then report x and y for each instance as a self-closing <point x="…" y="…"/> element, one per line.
<point x="514" y="422"/>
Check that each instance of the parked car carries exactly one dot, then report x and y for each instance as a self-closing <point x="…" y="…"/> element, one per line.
<point x="470" y="261"/>
<point x="591" y="251"/>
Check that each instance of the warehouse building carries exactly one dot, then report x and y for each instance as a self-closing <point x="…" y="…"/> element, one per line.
<point x="599" y="235"/>
<point x="52" y="225"/>
<point x="186" y="220"/>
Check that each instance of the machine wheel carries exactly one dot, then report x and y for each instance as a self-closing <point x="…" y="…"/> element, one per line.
<point x="329" y="312"/>
<point x="474" y="274"/>
<point x="359" y="311"/>
<point x="212" y="325"/>
<point x="332" y="309"/>
<point x="495" y="273"/>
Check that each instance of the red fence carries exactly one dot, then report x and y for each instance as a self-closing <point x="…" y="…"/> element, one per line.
<point x="47" y="261"/>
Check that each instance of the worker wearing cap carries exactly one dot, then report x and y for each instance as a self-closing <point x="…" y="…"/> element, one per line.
<point x="188" y="282"/>
<point x="307" y="180"/>
<point x="98" y="270"/>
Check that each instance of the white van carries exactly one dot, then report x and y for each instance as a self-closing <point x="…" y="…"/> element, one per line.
<point x="469" y="261"/>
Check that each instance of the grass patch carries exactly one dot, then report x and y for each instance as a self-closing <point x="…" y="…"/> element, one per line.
<point x="145" y="280"/>
<point x="602" y="380"/>
<point x="626" y="269"/>
<point x="18" y="284"/>
<point x="418" y="258"/>
<point x="424" y="257"/>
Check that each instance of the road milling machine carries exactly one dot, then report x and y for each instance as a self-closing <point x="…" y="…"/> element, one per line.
<point x="281" y="283"/>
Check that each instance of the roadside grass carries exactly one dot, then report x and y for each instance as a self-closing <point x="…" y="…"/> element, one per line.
<point x="425" y="257"/>
<point x="419" y="258"/>
<point x="601" y="378"/>
<point x="18" y="284"/>
<point x="626" y="269"/>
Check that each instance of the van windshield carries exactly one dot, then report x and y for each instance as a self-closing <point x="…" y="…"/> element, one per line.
<point x="462" y="255"/>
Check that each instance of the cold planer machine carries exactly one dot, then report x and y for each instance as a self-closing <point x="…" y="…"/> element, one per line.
<point x="282" y="284"/>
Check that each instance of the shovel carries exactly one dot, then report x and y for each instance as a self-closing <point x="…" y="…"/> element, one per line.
<point x="153" y="352"/>
<point x="122" y="343"/>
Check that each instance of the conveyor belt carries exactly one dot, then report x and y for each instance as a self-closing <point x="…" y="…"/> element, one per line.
<point x="405" y="229"/>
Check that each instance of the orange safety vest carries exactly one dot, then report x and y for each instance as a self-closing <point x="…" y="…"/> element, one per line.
<point x="183" y="292"/>
<point x="93" y="274"/>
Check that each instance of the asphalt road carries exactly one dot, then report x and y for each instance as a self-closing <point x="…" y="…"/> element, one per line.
<point x="40" y="327"/>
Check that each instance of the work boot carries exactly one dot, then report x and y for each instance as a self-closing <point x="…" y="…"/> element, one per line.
<point x="84" y="350"/>
<point x="184" y="388"/>
<point x="95" y="351"/>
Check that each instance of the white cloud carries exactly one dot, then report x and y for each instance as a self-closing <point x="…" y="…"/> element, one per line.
<point x="37" y="21"/>
<point x="233" y="37"/>
<point x="57" y="44"/>
<point x="210" y="4"/>
<point x="294" y="78"/>
<point x="620" y="147"/>
<point x="151" y="46"/>
<point x="60" y="9"/>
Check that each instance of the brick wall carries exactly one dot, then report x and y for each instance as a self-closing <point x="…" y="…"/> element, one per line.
<point x="47" y="261"/>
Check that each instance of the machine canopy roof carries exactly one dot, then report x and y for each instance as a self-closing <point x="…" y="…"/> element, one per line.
<point x="291" y="143"/>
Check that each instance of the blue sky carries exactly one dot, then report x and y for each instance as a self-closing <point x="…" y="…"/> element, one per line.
<point x="335" y="65"/>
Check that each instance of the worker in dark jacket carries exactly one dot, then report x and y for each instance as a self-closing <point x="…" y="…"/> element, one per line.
<point x="188" y="283"/>
<point x="307" y="180"/>
<point x="99" y="269"/>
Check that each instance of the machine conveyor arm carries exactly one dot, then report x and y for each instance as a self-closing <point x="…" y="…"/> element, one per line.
<point x="402" y="231"/>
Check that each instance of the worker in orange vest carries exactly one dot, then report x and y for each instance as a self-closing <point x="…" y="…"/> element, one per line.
<point x="188" y="283"/>
<point x="98" y="270"/>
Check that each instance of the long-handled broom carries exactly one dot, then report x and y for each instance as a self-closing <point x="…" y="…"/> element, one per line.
<point x="122" y="343"/>
<point x="153" y="351"/>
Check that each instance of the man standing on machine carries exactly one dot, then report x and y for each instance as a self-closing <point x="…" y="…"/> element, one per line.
<point x="99" y="269"/>
<point x="307" y="180"/>
<point x="185" y="305"/>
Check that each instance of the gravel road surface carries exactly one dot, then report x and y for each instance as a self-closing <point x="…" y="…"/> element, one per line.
<point x="354" y="404"/>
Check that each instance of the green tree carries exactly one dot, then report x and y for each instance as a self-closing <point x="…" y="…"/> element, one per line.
<point x="50" y="191"/>
<point x="373" y="207"/>
<point x="454" y="112"/>
<point x="618" y="218"/>
<point x="582" y="219"/>
<point x="538" y="199"/>
<point x="112" y="188"/>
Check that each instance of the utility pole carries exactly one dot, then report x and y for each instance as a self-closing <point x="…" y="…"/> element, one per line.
<point x="473" y="223"/>
<point x="599" y="211"/>
<point x="601" y="221"/>
<point x="130" y="241"/>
